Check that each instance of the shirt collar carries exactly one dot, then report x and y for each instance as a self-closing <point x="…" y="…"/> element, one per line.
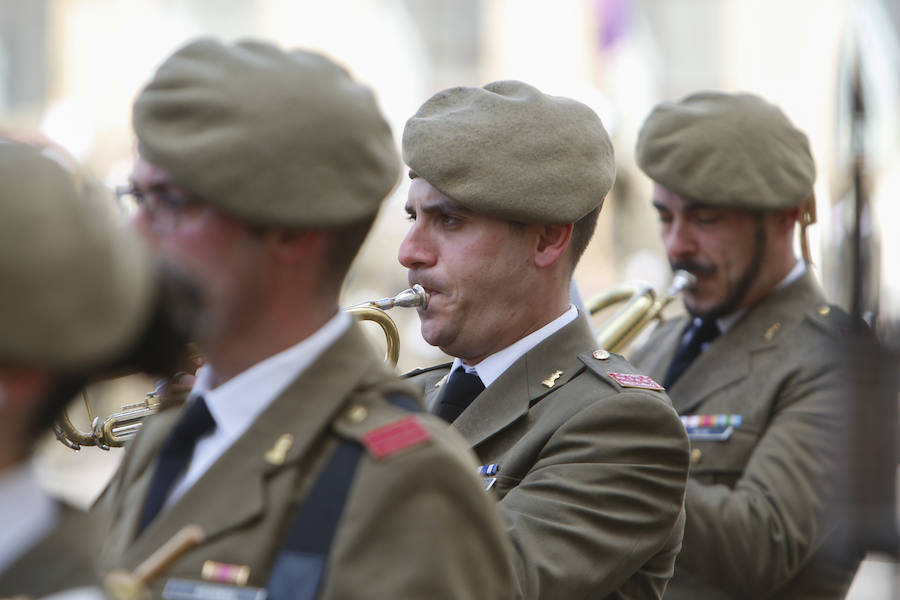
<point x="492" y="367"/>
<point x="239" y="401"/>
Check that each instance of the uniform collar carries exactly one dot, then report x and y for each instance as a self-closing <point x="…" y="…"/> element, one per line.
<point x="727" y="322"/>
<point x="264" y="381"/>
<point x="494" y="365"/>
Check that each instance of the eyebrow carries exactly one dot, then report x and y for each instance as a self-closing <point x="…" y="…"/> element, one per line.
<point x="688" y="207"/>
<point x="441" y="206"/>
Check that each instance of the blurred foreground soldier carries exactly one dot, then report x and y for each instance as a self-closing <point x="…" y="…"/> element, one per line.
<point x="755" y="368"/>
<point x="587" y="457"/>
<point x="77" y="296"/>
<point x="260" y="173"/>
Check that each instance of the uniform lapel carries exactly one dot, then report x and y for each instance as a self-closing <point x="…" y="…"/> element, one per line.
<point x="434" y="385"/>
<point x="728" y="358"/>
<point x="236" y="488"/>
<point x="513" y="393"/>
<point x="135" y="480"/>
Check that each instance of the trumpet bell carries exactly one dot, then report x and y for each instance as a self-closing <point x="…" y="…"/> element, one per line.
<point x="642" y="307"/>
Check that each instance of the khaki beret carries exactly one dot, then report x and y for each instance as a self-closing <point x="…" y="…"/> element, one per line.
<point x="509" y="151"/>
<point x="730" y="150"/>
<point x="77" y="289"/>
<point x="271" y="137"/>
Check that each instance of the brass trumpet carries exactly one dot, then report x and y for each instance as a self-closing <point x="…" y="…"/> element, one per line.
<point x="374" y="310"/>
<point x="119" y="427"/>
<point x="641" y="309"/>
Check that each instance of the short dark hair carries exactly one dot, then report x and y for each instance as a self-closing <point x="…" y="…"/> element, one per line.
<point x="582" y="233"/>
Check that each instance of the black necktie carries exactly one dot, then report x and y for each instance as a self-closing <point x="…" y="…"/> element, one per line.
<point x="174" y="455"/>
<point x="690" y="348"/>
<point x="459" y="391"/>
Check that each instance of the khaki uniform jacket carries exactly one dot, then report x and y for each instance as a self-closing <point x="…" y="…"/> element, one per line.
<point x="63" y="560"/>
<point x="416" y="524"/>
<point x="592" y="475"/>
<point x="756" y="502"/>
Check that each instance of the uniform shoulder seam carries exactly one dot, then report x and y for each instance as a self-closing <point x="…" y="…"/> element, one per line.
<point x="415" y="372"/>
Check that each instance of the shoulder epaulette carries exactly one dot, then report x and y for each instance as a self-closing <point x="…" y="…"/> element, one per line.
<point x="383" y="430"/>
<point x="833" y="320"/>
<point x="617" y="372"/>
<point x="415" y="372"/>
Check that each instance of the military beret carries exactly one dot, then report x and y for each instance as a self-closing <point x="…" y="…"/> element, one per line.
<point x="730" y="150"/>
<point x="271" y="137"/>
<point x="509" y="151"/>
<point x="77" y="289"/>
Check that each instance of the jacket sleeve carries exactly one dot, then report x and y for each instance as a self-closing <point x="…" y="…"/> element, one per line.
<point x="754" y="537"/>
<point x="602" y="500"/>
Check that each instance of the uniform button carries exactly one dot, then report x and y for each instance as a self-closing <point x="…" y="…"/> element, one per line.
<point x="601" y="354"/>
<point x="696" y="455"/>
<point x="823" y="310"/>
<point x="357" y="414"/>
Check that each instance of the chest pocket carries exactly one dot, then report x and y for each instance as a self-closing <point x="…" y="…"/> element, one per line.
<point x="723" y="461"/>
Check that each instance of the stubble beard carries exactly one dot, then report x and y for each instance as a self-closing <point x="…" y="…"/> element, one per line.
<point x="739" y="292"/>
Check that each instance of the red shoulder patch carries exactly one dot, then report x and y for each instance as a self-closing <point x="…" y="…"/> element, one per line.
<point x="631" y="380"/>
<point x="394" y="437"/>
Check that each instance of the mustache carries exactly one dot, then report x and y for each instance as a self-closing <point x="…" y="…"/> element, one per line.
<point x="693" y="267"/>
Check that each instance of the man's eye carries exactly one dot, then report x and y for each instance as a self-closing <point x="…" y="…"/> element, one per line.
<point x="449" y="220"/>
<point x="706" y="218"/>
<point x="410" y="216"/>
<point x="665" y="218"/>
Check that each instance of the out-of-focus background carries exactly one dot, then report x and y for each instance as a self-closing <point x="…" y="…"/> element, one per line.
<point x="71" y="68"/>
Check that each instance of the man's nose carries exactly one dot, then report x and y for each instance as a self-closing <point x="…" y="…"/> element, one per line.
<point x="415" y="249"/>
<point x="679" y="240"/>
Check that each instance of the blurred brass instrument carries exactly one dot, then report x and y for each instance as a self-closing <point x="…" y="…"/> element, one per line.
<point x="111" y="432"/>
<point x="114" y="430"/>
<point x="641" y="308"/>
<point x="374" y="310"/>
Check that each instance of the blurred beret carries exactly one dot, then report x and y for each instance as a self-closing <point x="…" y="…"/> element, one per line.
<point x="509" y="151"/>
<point x="271" y="137"/>
<point x="77" y="289"/>
<point x="730" y="150"/>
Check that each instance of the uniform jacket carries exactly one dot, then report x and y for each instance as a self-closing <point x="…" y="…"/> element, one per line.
<point x="592" y="475"/>
<point x="756" y="502"/>
<point x="63" y="560"/>
<point x="416" y="524"/>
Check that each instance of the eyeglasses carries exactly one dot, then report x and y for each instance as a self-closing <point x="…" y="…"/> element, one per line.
<point x="161" y="203"/>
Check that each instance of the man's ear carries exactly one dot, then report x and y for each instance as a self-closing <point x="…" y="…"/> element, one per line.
<point x="552" y="241"/>
<point x="785" y="219"/>
<point x="292" y="247"/>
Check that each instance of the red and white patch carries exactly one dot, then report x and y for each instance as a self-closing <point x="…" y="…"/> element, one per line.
<point x="395" y="437"/>
<point x="630" y="380"/>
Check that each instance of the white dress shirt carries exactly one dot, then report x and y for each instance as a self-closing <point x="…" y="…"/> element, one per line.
<point x="492" y="367"/>
<point x="237" y="403"/>
<point x="27" y="513"/>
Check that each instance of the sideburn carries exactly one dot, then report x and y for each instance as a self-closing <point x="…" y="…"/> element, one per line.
<point x="745" y="283"/>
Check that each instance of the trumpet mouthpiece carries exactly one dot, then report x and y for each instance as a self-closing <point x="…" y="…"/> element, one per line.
<point x="413" y="297"/>
<point x="683" y="280"/>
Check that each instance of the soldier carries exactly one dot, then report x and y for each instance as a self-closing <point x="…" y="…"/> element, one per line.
<point x="587" y="458"/>
<point x="754" y="368"/>
<point x="77" y="297"/>
<point x="260" y="173"/>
